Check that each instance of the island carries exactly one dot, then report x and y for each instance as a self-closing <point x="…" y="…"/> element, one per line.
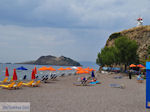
<point x="52" y="60"/>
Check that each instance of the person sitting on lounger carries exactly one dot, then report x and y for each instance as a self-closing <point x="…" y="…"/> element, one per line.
<point x="139" y="77"/>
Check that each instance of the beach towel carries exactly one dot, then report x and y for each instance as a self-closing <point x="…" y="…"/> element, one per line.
<point x="117" y="86"/>
<point x="95" y="82"/>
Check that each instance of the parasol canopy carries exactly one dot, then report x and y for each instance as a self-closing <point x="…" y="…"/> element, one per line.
<point x="7" y="73"/>
<point x="140" y="65"/>
<point x="15" y="75"/>
<point x="21" y="68"/>
<point x="61" y="69"/>
<point x="33" y="74"/>
<point x="132" y="65"/>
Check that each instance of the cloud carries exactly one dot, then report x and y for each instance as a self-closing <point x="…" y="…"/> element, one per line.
<point x="74" y="28"/>
<point x="28" y="43"/>
<point x="72" y="13"/>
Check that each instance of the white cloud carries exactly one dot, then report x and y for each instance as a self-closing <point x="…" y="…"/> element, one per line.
<point x="75" y="28"/>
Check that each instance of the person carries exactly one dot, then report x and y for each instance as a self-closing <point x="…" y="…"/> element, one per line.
<point x="130" y="74"/>
<point x="139" y="77"/>
<point x="25" y="76"/>
<point x="92" y="75"/>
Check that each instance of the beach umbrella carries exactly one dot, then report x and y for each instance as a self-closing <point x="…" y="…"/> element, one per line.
<point x="33" y="74"/>
<point x="44" y="68"/>
<point x="79" y="68"/>
<point x="140" y="65"/>
<point x="132" y="65"/>
<point x="68" y="68"/>
<point x="35" y="70"/>
<point x="7" y="73"/>
<point x="87" y="69"/>
<point x="82" y="72"/>
<point x="14" y="75"/>
<point x="51" y="69"/>
<point x="61" y="69"/>
<point x="91" y="69"/>
<point x="21" y="68"/>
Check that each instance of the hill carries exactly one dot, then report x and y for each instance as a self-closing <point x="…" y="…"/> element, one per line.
<point x="140" y="34"/>
<point x="52" y="60"/>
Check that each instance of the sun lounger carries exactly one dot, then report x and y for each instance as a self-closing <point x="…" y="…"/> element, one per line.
<point x="17" y="86"/>
<point x="53" y="76"/>
<point x="9" y="86"/>
<point x="117" y="86"/>
<point x="36" y="84"/>
<point x="5" y="80"/>
<point x="44" y="79"/>
<point x="118" y="77"/>
<point x="28" y="83"/>
<point x="81" y="83"/>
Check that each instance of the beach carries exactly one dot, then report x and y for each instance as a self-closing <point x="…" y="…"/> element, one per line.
<point x="62" y="96"/>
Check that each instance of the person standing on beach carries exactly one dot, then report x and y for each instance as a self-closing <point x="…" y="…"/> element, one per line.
<point x="130" y="74"/>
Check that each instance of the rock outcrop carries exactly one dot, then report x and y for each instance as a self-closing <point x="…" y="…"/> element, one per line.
<point x="52" y="60"/>
<point x="140" y="34"/>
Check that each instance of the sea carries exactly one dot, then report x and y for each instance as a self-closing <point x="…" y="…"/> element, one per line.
<point x="21" y="73"/>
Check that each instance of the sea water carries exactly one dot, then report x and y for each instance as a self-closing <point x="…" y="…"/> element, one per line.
<point x="21" y="73"/>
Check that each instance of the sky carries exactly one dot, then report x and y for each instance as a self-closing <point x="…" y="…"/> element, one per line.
<point x="73" y="28"/>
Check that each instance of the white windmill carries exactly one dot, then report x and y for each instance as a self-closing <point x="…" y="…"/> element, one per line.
<point x="139" y="21"/>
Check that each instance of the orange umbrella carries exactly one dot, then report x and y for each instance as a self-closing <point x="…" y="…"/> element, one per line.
<point x="7" y="73"/>
<point x="132" y="65"/>
<point x="79" y="68"/>
<point x="61" y="69"/>
<point x="87" y="69"/>
<point x="51" y="69"/>
<point x="92" y="69"/>
<point x="82" y="72"/>
<point x="33" y="74"/>
<point x="68" y="68"/>
<point x="140" y="65"/>
<point x="14" y="75"/>
<point x="44" y="68"/>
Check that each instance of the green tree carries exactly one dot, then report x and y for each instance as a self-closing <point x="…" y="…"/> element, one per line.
<point x="106" y="57"/>
<point x="127" y="50"/>
<point x="123" y="52"/>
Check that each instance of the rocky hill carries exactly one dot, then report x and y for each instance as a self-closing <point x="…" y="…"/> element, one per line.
<point x="52" y="60"/>
<point x="140" y="34"/>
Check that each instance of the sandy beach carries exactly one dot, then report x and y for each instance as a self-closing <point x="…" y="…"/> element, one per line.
<point x="63" y="96"/>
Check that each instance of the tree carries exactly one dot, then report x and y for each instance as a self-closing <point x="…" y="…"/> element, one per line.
<point x="106" y="57"/>
<point x="127" y="50"/>
<point x="123" y="52"/>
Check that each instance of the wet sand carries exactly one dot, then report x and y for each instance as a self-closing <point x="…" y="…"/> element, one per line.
<point x="63" y="96"/>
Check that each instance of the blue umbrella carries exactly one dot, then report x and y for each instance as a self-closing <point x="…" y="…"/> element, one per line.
<point x="21" y="68"/>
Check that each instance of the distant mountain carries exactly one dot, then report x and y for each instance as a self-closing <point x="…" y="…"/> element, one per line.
<point x="52" y="60"/>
